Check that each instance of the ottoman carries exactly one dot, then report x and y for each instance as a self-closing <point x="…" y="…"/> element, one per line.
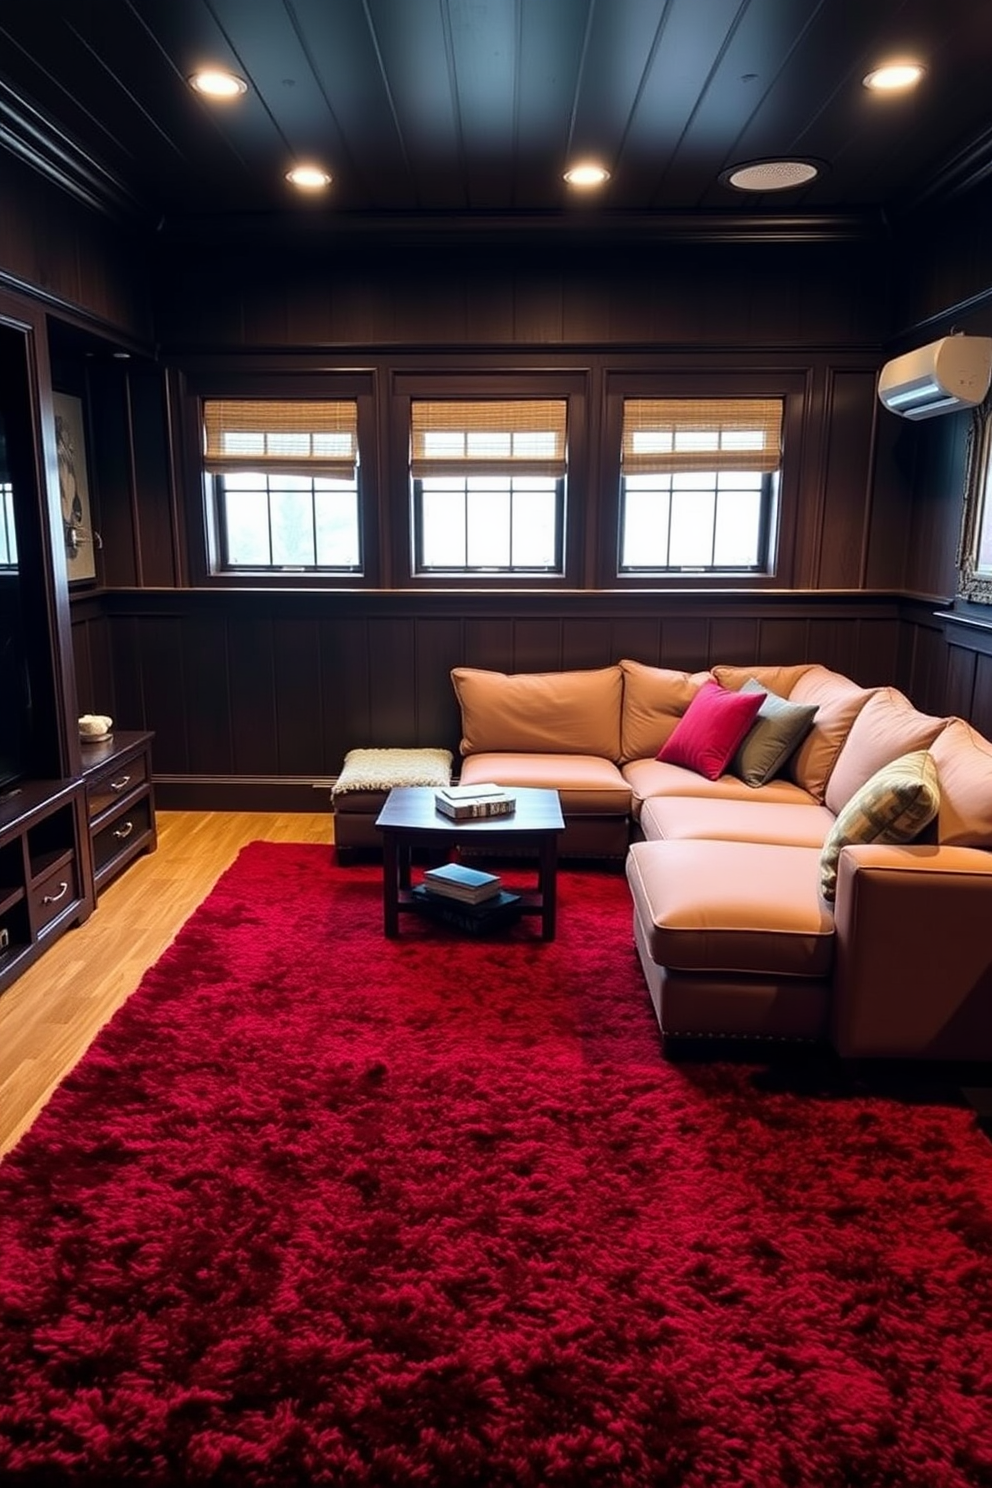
<point x="360" y="791"/>
<point x="733" y="938"/>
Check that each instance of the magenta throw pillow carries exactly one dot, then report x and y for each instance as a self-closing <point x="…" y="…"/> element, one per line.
<point x="706" y="737"/>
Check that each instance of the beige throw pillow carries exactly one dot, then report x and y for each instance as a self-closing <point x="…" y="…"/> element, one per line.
<point x="895" y="805"/>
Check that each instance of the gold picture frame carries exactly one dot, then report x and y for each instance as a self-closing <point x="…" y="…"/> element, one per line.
<point x="77" y="524"/>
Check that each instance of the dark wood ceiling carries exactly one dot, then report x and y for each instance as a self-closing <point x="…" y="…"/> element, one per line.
<point x="471" y="109"/>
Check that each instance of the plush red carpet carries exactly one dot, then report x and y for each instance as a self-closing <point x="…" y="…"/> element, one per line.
<point x="322" y="1208"/>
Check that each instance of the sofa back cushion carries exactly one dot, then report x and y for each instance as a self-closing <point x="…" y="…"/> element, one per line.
<point x="654" y="699"/>
<point x="964" y="768"/>
<point x="540" y="712"/>
<point x="778" y="679"/>
<point x="887" y="726"/>
<point x="838" y="702"/>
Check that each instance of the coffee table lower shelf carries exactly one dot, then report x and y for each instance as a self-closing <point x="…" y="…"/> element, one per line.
<point x="492" y="915"/>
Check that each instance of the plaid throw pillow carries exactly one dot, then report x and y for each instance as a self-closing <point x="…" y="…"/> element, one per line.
<point x="895" y="805"/>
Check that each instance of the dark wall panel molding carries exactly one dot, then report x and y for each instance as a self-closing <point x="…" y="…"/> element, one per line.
<point x="243" y="686"/>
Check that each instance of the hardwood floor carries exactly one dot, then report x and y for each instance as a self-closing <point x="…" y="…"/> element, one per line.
<point x="50" y="1015"/>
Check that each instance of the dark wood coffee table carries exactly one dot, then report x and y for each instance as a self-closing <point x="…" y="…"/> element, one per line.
<point x="410" y="819"/>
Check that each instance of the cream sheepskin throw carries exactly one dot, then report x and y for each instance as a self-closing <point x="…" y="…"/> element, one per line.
<point x="381" y="769"/>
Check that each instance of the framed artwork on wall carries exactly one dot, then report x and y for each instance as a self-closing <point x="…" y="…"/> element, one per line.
<point x="77" y="523"/>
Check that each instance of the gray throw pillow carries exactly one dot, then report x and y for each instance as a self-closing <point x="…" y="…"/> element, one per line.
<point x="776" y="733"/>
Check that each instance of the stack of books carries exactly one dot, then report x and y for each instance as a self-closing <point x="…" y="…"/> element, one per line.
<point x="466" y="898"/>
<point x="462" y="802"/>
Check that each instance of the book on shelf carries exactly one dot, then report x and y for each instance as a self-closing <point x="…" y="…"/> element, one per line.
<point x="468" y="885"/>
<point x="462" y="802"/>
<point x="475" y="919"/>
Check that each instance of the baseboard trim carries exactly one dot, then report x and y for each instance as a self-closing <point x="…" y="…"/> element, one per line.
<point x="242" y="793"/>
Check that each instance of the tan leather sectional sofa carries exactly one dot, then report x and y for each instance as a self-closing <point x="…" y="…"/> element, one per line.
<point x="731" y="925"/>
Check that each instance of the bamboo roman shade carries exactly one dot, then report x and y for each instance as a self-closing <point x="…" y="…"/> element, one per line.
<point x="312" y="438"/>
<point x="485" y="438"/>
<point x="669" y="434"/>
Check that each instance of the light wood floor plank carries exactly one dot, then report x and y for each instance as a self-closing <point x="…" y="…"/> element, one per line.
<point x="50" y="1015"/>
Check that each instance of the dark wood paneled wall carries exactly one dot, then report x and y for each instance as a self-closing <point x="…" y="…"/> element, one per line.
<point x="71" y="257"/>
<point x="255" y="686"/>
<point x="571" y="292"/>
<point x="258" y="686"/>
<point x="263" y="685"/>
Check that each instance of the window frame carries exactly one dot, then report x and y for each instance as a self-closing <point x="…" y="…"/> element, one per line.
<point x="503" y="385"/>
<point x="975" y="579"/>
<point x="202" y="513"/>
<point x="780" y="517"/>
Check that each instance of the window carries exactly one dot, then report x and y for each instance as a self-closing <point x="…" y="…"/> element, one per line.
<point x="975" y="549"/>
<point x="488" y="482"/>
<point x="285" y="484"/>
<point x="8" y="531"/>
<point x="699" y="484"/>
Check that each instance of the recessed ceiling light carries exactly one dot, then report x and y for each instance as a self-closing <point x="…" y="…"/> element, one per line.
<point x="587" y="174"/>
<point x="213" y="82"/>
<point x="308" y="177"/>
<point x="891" y="77"/>
<point x="771" y="175"/>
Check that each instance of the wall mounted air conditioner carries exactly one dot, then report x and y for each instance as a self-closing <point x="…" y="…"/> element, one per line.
<point x="946" y="375"/>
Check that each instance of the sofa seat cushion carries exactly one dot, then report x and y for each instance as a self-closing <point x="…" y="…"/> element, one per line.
<point x="558" y="713"/>
<point x="648" y="777"/>
<point x="587" y="785"/>
<point x="887" y="726"/>
<point x="696" y="818"/>
<point x="741" y="907"/>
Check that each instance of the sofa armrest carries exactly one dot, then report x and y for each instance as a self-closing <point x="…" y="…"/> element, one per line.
<point x="913" y="963"/>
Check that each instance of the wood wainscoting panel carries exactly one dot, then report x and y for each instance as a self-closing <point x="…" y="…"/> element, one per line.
<point x="252" y="692"/>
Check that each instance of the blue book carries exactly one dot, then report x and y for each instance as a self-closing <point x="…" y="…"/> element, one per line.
<point x="456" y="881"/>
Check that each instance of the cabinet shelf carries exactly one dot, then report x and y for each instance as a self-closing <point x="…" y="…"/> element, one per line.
<point x="46" y="886"/>
<point x="10" y="897"/>
<point x="43" y="864"/>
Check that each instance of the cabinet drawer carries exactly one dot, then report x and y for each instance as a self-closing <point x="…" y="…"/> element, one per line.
<point x="124" y="832"/>
<point x="57" y="891"/>
<point x="113" y="784"/>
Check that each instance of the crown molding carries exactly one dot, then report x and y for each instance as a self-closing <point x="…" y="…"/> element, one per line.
<point x="34" y="139"/>
<point x="430" y="229"/>
<point x="961" y="172"/>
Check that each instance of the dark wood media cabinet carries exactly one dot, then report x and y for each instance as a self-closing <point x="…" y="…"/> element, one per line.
<point x="62" y="841"/>
<point x="120" y="802"/>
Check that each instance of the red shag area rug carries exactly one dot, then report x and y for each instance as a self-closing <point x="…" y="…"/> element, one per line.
<point x="319" y="1208"/>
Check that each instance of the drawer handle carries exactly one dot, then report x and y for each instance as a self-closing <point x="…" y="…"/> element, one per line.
<point x="119" y="785"/>
<point x="123" y="832"/>
<point x="54" y="898"/>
